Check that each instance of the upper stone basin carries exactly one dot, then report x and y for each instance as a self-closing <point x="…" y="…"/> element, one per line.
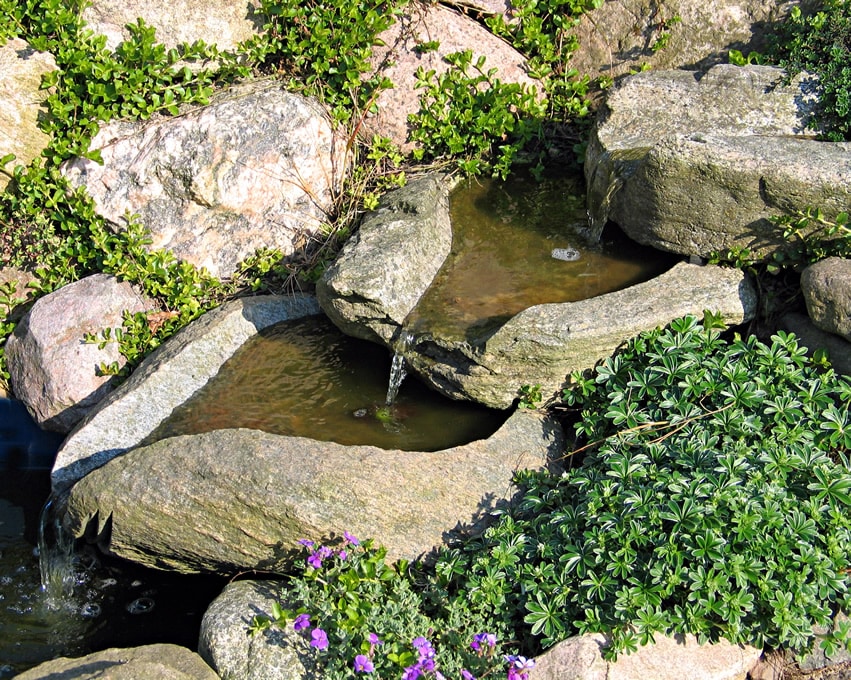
<point x="385" y="269"/>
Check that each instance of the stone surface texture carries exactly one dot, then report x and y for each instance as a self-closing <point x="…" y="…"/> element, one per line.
<point x="166" y="378"/>
<point x="827" y="291"/>
<point x="22" y="102"/>
<point x="813" y="338"/>
<point x="275" y="654"/>
<point x="580" y="658"/>
<point x="256" y="168"/>
<point x="695" y="163"/>
<point x="618" y="37"/>
<point x="160" y="661"/>
<point x="384" y="269"/>
<point x="231" y="501"/>
<point x="218" y="22"/>
<point x="399" y="58"/>
<point x="381" y="274"/>
<point x="53" y="371"/>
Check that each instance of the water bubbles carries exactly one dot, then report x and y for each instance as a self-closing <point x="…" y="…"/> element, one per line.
<point x="90" y="610"/>
<point x="142" y="605"/>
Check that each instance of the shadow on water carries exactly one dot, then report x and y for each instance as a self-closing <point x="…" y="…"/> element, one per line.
<point x="107" y="602"/>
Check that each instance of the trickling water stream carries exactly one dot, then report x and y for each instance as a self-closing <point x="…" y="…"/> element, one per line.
<point x="88" y="602"/>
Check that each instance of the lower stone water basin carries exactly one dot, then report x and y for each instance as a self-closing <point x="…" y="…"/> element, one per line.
<point x="305" y="378"/>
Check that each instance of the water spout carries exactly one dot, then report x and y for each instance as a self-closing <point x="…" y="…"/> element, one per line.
<point x="55" y="557"/>
<point x="397" y="367"/>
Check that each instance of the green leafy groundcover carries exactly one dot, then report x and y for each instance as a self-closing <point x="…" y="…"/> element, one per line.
<point x="820" y="42"/>
<point x="713" y="498"/>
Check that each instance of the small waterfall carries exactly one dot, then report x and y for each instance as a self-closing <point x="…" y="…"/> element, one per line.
<point x="598" y="212"/>
<point x="607" y="178"/>
<point x="397" y="367"/>
<point x="55" y="556"/>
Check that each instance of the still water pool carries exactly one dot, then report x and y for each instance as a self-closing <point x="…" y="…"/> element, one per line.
<point x="305" y="378"/>
<point x="519" y="243"/>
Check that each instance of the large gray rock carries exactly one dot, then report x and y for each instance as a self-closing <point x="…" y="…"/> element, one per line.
<point x="218" y="22"/>
<point x="398" y="56"/>
<point x="838" y="350"/>
<point x="695" y="164"/>
<point x="826" y="286"/>
<point x="166" y="378"/>
<point x="275" y="654"/>
<point x="53" y="371"/>
<point x="384" y="269"/>
<point x="160" y="661"/>
<point x="258" y="167"/>
<point x="580" y="658"/>
<point x="231" y="501"/>
<point x="619" y="37"/>
<point x="543" y="344"/>
<point x="21" y="103"/>
<point x="381" y="274"/>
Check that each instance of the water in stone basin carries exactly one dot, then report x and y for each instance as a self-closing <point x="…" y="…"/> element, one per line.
<point x="108" y="603"/>
<point x="519" y="243"/>
<point x="305" y="378"/>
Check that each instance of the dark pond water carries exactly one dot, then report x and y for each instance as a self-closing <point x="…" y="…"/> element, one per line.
<point x="111" y="603"/>
<point x="516" y="244"/>
<point x="305" y="378"/>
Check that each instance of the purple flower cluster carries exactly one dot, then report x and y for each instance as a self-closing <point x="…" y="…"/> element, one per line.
<point x="318" y="637"/>
<point x="426" y="666"/>
<point x="519" y="667"/>
<point x="484" y="644"/>
<point x="323" y="552"/>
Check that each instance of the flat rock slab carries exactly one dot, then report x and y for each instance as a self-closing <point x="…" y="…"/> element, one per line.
<point x="22" y="102"/>
<point x="160" y="661"/>
<point x="258" y="167"/>
<point x="231" y="501"/>
<point x="697" y="163"/>
<point x="167" y="378"/>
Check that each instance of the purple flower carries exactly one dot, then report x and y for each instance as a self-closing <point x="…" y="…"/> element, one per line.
<point x="350" y="539"/>
<point x="315" y="560"/>
<point x="423" y="647"/>
<point x="412" y="673"/>
<point x="374" y="639"/>
<point x="467" y="675"/>
<point x="306" y="542"/>
<point x="482" y="640"/>
<point x="301" y="622"/>
<point x="342" y="554"/>
<point x="318" y="639"/>
<point x="363" y="664"/>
